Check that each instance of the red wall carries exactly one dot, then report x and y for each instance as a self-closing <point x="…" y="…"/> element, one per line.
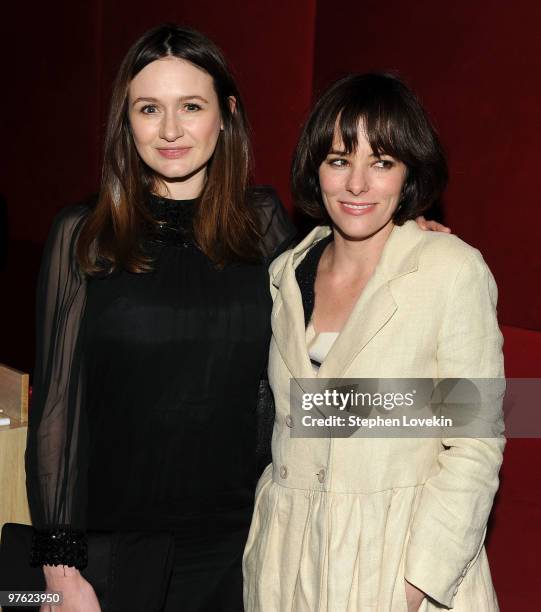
<point x="50" y="126"/>
<point x="476" y="67"/>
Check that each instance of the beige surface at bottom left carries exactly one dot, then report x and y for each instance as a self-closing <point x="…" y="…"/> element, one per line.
<point x="13" y="501"/>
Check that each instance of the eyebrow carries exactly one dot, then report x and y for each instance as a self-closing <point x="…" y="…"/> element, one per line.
<point x="335" y="152"/>
<point x="181" y="99"/>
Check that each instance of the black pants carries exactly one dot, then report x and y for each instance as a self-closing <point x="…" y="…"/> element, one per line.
<point x="207" y="574"/>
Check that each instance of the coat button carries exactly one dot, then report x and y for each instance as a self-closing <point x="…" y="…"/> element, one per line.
<point x="321" y="475"/>
<point x="289" y="421"/>
<point x="283" y="471"/>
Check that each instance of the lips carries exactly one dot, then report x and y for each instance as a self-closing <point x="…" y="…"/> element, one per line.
<point x="357" y="210"/>
<point x="174" y="153"/>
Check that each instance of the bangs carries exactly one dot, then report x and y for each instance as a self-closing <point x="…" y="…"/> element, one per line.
<point x="385" y="110"/>
<point x="376" y="121"/>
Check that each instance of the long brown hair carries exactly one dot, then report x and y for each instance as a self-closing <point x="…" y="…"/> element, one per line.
<point x="225" y="227"/>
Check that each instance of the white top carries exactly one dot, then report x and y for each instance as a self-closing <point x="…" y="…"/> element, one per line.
<point x="319" y="345"/>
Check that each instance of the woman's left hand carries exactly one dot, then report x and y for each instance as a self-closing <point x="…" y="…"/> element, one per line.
<point x="432" y="226"/>
<point x="414" y="596"/>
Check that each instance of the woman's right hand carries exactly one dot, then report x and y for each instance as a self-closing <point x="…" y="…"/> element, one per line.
<point x="78" y="594"/>
<point x="414" y="596"/>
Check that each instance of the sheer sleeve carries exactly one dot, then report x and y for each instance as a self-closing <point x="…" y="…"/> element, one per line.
<point x="56" y="444"/>
<point x="277" y="229"/>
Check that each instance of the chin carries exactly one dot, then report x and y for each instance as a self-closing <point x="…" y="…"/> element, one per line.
<point x="175" y="174"/>
<point x="172" y="172"/>
<point x="360" y="230"/>
<point x="353" y="236"/>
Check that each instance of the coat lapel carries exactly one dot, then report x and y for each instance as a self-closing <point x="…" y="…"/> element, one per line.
<point x="373" y="310"/>
<point x="377" y="304"/>
<point x="288" y="314"/>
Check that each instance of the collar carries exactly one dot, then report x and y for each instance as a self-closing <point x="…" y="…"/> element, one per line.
<point x="400" y="255"/>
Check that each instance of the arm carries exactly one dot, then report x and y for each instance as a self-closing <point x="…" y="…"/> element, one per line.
<point x="54" y="455"/>
<point x="449" y="525"/>
<point x="56" y="444"/>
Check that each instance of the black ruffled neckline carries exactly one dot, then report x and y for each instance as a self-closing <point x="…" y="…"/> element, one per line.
<point x="175" y="220"/>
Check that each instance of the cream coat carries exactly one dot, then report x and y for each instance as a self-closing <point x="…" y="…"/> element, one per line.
<point x="339" y="523"/>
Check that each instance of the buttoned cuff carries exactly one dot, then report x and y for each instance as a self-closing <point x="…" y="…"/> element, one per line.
<point x="434" y="576"/>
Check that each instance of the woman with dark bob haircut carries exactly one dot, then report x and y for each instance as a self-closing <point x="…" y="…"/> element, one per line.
<point x="153" y="331"/>
<point x="394" y="123"/>
<point x="392" y="519"/>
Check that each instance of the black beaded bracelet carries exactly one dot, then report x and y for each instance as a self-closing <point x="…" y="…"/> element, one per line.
<point x="60" y="546"/>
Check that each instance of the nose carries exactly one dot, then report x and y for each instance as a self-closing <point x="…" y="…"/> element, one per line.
<point x="171" y="126"/>
<point x="357" y="180"/>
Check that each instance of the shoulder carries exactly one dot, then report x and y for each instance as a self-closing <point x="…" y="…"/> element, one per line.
<point x="448" y="252"/>
<point x="70" y="219"/>
<point x="455" y="267"/>
<point x="263" y="195"/>
<point x="443" y="262"/>
<point x="65" y="229"/>
<point x="274" y="224"/>
<point x="299" y="253"/>
<point x="278" y="264"/>
<point x="266" y="202"/>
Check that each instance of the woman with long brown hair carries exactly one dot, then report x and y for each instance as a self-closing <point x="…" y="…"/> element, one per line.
<point x="153" y="331"/>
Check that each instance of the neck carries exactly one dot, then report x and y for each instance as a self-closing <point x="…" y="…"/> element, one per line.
<point x="357" y="258"/>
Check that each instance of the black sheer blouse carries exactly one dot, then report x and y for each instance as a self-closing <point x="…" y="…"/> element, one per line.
<point x="146" y="387"/>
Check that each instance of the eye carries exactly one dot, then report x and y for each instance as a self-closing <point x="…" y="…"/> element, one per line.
<point x="384" y="164"/>
<point x="337" y="162"/>
<point x="192" y="107"/>
<point x="149" y="109"/>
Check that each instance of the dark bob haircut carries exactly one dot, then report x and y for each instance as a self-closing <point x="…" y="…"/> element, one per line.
<point x="395" y="124"/>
